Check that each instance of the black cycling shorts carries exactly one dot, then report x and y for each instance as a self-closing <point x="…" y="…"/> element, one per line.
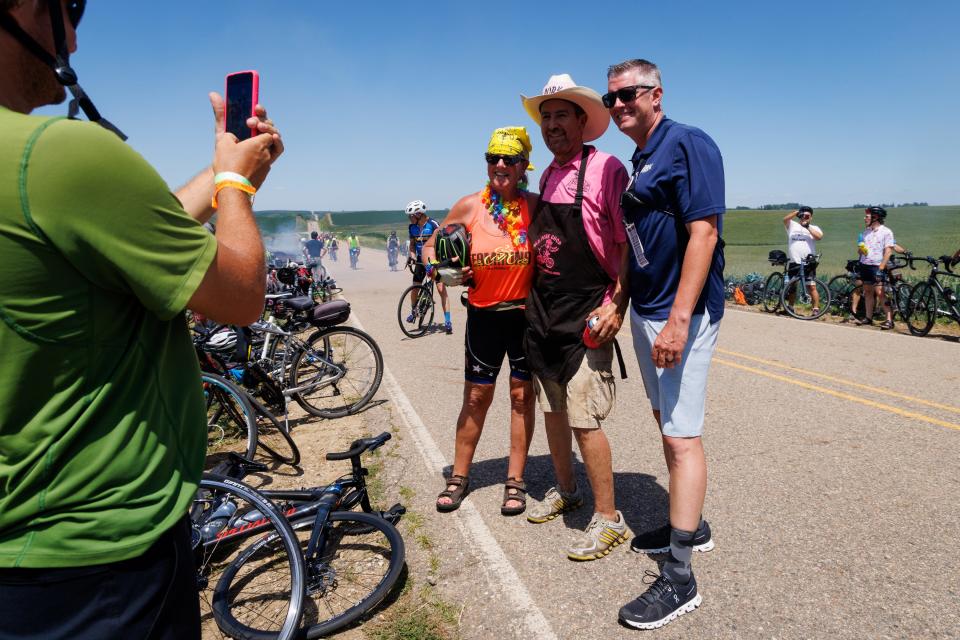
<point x="489" y="336"/>
<point x="419" y="273"/>
<point x="809" y="273"/>
<point x="871" y="274"/>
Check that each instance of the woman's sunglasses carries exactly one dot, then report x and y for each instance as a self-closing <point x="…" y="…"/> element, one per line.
<point x="626" y="94"/>
<point x="493" y="158"/>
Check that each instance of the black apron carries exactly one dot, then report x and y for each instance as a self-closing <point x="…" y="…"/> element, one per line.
<point x="569" y="284"/>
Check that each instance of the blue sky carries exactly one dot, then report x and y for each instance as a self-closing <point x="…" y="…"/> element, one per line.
<point x="825" y="103"/>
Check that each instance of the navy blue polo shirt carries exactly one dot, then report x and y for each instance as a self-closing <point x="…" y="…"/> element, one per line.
<point x="678" y="178"/>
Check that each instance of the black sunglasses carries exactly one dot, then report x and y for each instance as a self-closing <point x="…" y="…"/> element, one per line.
<point x="626" y="94"/>
<point x="75" y="11"/>
<point x="493" y="158"/>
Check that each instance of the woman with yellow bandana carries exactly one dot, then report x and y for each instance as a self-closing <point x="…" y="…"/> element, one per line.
<point x="499" y="275"/>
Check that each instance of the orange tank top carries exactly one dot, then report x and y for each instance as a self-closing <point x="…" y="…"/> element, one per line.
<point x="501" y="272"/>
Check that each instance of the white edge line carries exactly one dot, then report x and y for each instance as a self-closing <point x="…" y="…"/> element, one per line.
<point x="499" y="569"/>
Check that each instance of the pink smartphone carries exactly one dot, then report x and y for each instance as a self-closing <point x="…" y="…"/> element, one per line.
<point x="241" y="96"/>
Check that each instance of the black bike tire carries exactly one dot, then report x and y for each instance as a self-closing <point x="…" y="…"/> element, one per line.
<point x="902" y="298"/>
<point x="424" y="302"/>
<point x="771" y="301"/>
<point x="367" y="522"/>
<point x="224" y="386"/>
<point x="841" y="287"/>
<point x="219" y="607"/>
<point x="365" y="395"/>
<point x="404" y="304"/>
<point x="824" y="291"/>
<point x="920" y="325"/>
<point x="287" y="452"/>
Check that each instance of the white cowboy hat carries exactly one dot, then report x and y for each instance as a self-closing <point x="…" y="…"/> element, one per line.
<point x="562" y="87"/>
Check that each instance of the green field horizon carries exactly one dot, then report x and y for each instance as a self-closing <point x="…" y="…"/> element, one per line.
<point x="750" y="234"/>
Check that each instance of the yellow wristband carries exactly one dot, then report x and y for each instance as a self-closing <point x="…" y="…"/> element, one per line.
<point x="228" y="184"/>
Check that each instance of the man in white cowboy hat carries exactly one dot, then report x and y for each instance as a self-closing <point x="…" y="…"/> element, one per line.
<point x="579" y="242"/>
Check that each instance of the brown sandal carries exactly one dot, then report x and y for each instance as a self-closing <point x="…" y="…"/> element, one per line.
<point x="456" y="495"/>
<point x="519" y="488"/>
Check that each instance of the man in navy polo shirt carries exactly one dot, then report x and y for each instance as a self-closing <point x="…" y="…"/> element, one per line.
<point x="673" y="211"/>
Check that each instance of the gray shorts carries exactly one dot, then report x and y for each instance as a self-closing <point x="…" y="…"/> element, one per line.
<point x="680" y="393"/>
<point x="589" y="396"/>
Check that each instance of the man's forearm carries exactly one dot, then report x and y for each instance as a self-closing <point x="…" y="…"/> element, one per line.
<point x="196" y="195"/>
<point x="693" y="274"/>
<point x="621" y="288"/>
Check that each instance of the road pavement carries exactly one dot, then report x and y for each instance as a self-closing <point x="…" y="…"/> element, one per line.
<point x="833" y="488"/>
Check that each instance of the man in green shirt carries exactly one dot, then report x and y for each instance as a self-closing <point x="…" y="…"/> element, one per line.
<point x="102" y="427"/>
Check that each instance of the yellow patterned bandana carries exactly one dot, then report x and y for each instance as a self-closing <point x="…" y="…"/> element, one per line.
<point x="511" y="141"/>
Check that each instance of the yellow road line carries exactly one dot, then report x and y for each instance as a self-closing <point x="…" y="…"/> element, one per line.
<point x="844" y="396"/>
<point x="849" y="383"/>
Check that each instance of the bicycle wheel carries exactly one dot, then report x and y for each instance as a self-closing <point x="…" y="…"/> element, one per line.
<point x="771" y="292"/>
<point x="358" y="566"/>
<point x="343" y="367"/>
<point x="250" y="570"/>
<point x="923" y="307"/>
<point x="231" y="422"/>
<point x="901" y="297"/>
<point x="805" y="305"/>
<point x="274" y="442"/>
<point x="840" y="289"/>
<point x="422" y="311"/>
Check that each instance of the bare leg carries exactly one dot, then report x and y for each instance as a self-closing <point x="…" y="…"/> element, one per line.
<point x="595" y="449"/>
<point x="560" y="441"/>
<point x="522" y="421"/>
<point x="687" y="465"/>
<point x="473" y="412"/>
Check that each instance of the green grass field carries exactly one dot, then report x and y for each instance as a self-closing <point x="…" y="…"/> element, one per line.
<point x="750" y="235"/>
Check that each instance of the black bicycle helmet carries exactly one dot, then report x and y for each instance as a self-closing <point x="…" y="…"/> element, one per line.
<point x="453" y="245"/>
<point x="877" y="213"/>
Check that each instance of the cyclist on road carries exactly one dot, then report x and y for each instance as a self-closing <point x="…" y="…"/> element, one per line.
<point x="393" y="250"/>
<point x="102" y="418"/>
<point x="802" y="239"/>
<point x="334" y="246"/>
<point x="314" y="251"/>
<point x="876" y="245"/>
<point x="422" y="227"/>
<point x="354" y="243"/>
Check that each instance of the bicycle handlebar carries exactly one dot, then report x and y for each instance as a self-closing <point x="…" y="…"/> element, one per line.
<point x="357" y="447"/>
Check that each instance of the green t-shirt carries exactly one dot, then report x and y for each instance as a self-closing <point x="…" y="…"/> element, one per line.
<point x="102" y="420"/>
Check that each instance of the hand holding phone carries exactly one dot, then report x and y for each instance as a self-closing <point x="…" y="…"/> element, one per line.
<point x="242" y="95"/>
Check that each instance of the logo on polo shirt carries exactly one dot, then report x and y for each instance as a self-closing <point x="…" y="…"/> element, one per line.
<point x="646" y="168"/>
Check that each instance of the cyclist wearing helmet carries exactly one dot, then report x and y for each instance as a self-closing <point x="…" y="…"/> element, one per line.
<point x="501" y="270"/>
<point x="802" y="239"/>
<point x="422" y="227"/>
<point x="393" y="250"/>
<point x="101" y="408"/>
<point x="314" y="250"/>
<point x="877" y="246"/>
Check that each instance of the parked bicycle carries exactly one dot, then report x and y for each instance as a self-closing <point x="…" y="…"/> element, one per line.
<point x="801" y="297"/>
<point x="930" y="299"/>
<point x="352" y="559"/>
<point x="422" y="310"/>
<point x="845" y="288"/>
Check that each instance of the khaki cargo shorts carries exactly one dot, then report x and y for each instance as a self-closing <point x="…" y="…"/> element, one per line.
<point x="589" y="396"/>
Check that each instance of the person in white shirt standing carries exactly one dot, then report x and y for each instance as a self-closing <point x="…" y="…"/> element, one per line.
<point x="802" y="238"/>
<point x="876" y="245"/>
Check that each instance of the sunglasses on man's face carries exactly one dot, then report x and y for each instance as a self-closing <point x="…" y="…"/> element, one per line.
<point x="75" y="11"/>
<point x="493" y="158"/>
<point x="626" y="94"/>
